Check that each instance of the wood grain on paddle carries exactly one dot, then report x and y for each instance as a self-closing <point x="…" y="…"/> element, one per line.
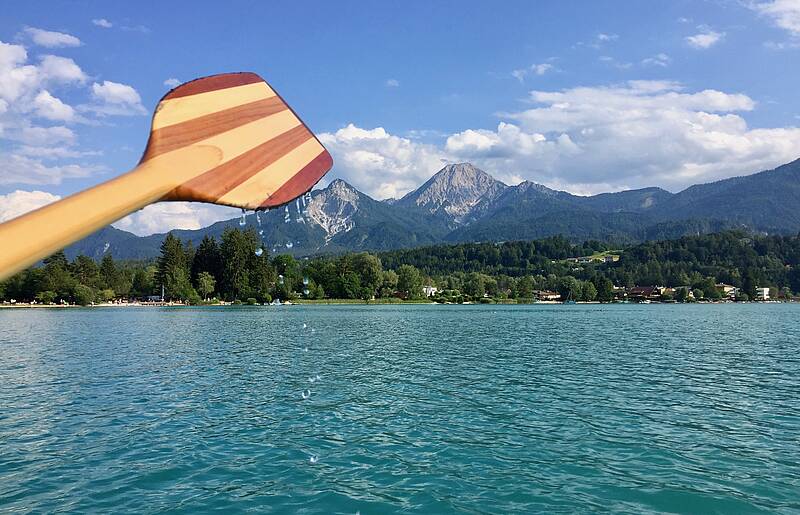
<point x="227" y="139"/>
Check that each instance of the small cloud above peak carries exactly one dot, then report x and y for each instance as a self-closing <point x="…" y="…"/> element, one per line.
<point x="51" y="39"/>
<point x="534" y="69"/>
<point x="706" y="38"/>
<point x="607" y="37"/>
<point x="172" y="82"/>
<point x="661" y="59"/>
<point x="392" y="83"/>
<point x="102" y="22"/>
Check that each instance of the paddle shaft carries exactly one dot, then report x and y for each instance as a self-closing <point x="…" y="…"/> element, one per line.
<point x="40" y="233"/>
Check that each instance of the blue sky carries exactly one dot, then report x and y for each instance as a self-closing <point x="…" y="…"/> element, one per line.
<point x="583" y="96"/>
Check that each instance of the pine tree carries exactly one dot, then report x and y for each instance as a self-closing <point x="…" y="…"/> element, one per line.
<point x="108" y="272"/>
<point x="207" y="258"/>
<point x="172" y="269"/>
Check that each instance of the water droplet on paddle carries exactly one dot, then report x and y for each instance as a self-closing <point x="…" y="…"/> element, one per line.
<point x="243" y="220"/>
<point x="305" y="281"/>
<point x="306" y="292"/>
<point x="259" y="251"/>
<point x="280" y="279"/>
<point x="289" y="244"/>
<point x="261" y="232"/>
<point x="258" y="219"/>
<point x="306" y="394"/>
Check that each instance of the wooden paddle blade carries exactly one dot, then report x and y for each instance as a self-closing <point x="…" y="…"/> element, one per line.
<point x="269" y="156"/>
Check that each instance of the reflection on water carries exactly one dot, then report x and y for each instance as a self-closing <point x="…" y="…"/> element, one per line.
<point x="423" y="409"/>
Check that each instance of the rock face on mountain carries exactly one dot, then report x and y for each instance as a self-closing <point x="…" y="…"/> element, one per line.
<point x="464" y="203"/>
<point x="333" y="209"/>
<point x="457" y="193"/>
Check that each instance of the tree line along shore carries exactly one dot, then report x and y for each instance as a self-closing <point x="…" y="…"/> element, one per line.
<point x="733" y="265"/>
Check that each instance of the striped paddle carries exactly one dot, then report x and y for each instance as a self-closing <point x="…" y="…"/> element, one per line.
<point x="227" y="139"/>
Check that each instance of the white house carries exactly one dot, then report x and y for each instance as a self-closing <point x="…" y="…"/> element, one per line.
<point x="762" y="293"/>
<point x="430" y="291"/>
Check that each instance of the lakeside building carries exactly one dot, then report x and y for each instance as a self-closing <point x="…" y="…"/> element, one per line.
<point x="546" y="295"/>
<point x="583" y="260"/>
<point x="430" y="291"/>
<point x="762" y="294"/>
<point x="728" y="290"/>
<point x="644" y="293"/>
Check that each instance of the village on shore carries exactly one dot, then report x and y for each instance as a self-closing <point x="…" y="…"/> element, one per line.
<point x="433" y="295"/>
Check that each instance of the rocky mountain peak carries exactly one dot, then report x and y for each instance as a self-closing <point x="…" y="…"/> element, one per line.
<point x="342" y="190"/>
<point x="525" y="186"/>
<point x="456" y="190"/>
<point x="333" y="208"/>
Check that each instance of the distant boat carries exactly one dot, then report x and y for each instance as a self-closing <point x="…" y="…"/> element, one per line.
<point x="569" y="300"/>
<point x="276" y="302"/>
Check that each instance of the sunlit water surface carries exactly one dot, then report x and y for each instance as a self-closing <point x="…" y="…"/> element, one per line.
<point x="409" y="409"/>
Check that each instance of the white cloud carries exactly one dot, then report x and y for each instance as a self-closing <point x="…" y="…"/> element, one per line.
<point x="380" y="164"/>
<point x="536" y="69"/>
<point x="584" y="140"/>
<point x="638" y="134"/>
<point x="115" y="93"/>
<point x="519" y="74"/>
<point x="102" y="22"/>
<point x="20" y="202"/>
<point x="45" y="152"/>
<point x="36" y="145"/>
<point x="11" y="55"/>
<point x="172" y="82"/>
<point x="45" y="135"/>
<point x="662" y="60"/>
<point x="113" y="98"/>
<point x="19" y="169"/>
<point x="599" y="40"/>
<point x="61" y="69"/>
<point x="165" y="216"/>
<point x="392" y="83"/>
<point x="783" y="13"/>
<point x="50" y="107"/>
<point x="706" y="38"/>
<point x="50" y="39"/>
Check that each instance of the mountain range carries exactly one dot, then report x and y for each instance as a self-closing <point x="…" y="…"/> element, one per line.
<point x="463" y="203"/>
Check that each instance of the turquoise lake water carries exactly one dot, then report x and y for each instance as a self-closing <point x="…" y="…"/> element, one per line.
<point x="410" y="409"/>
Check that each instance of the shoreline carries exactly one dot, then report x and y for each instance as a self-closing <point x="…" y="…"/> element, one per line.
<point x="355" y="302"/>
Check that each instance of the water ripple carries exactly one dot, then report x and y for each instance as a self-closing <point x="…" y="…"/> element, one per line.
<point x="418" y="409"/>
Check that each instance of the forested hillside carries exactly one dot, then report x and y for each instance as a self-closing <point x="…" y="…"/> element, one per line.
<point x="229" y="268"/>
